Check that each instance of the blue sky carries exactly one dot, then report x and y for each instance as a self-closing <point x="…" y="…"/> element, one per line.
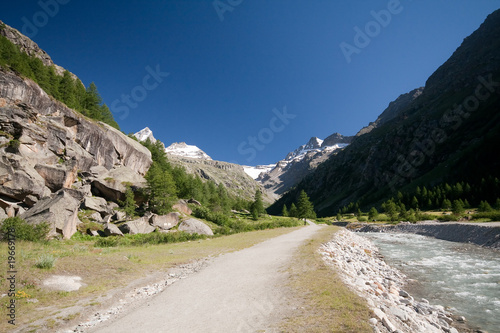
<point x="250" y="80"/>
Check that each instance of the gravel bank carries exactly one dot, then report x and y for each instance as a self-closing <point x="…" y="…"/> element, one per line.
<point x="361" y="267"/>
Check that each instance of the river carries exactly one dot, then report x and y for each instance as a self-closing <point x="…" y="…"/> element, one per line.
<point x="463" y="277"/>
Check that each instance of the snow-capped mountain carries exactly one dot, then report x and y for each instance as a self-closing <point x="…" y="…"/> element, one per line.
<point x="255" y="171"/>
<point x="178" y="148"/>
<point x="300" y="162"/>
<point x="144" y="134"/>
<point x="184" y="150"/>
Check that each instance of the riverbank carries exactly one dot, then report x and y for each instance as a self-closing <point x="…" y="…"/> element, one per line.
<point x="361" y="267"/>
<point x="484" y="234"/>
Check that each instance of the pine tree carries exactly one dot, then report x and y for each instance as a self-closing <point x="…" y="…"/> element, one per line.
<point x="284" y="212"/>
<point x="129" y="203"/>
<point x="257" y="205"/>
<point x="372" y="214"/>
<point x="161" y="188"/>
<point x="305" y="208"/>
<point x="390" y="209"/>
<point x="293" y="211"/>
<point x="446" y="204"/>
<point x="457" y="207"/>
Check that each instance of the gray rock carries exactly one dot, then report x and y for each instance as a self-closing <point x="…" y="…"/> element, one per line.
<point x="195" y="226"/>
<point x="119" y="215"/>
<point x="56" y="177"/>
<point x="113" y="184"/>
<point x="60" y="211"/>
<point x="92" y="232"/>
<point x="165" y="222"/>
<point x="194" y="202"/>
<point x="3" y="214"/>
<point x="388" y="324"/>
<point x="96" y="216"/>
<point x="111" y="229"/>
<point x="182" y="207"/>
<point x="139" y="226"/>
<point x="403" y="316"/>
<point x="97" y="204"/>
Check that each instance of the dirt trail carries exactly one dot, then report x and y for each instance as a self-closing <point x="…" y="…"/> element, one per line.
<point x="238" y="292"/>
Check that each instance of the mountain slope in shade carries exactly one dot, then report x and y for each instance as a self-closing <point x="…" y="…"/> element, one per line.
<point x="449" y="133"/>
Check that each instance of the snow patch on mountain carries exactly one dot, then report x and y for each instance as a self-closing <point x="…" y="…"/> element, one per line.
<point x="184" y="150"/>
<point x="178" y="148"/>
<point x="255" y="171"/>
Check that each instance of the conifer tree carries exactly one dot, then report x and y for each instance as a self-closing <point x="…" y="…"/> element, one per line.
<point x="305" y="208"/>
<point x="284" y="212"/>
<point x="293" y="211"/>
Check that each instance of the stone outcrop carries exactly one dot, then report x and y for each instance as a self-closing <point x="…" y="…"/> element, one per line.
<point x="111" y="229"/>
<point x="165" y="222"/>
<point x="46" y="147"/>
<point x="139" y="226"/>
<point x="182" y="207"/>
<point x="60" y="211"/>
<point x="193" y="226"/>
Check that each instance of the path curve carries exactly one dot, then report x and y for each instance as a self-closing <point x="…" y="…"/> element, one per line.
<point x="238" y="292"/>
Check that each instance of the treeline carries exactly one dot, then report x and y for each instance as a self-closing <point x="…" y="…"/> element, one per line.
<point x="167" y="183"/>
<point x="64" y="88"/>
<point x="485" y="195"/>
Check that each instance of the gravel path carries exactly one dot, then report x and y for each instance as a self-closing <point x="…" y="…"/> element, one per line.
<point x="237" y="292"/>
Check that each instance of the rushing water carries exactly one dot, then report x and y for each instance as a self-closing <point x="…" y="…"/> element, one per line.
<point x="464" y="277"/>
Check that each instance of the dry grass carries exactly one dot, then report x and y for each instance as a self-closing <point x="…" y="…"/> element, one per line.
<point x="101" y="269"/>
<point x="324" y="303"/>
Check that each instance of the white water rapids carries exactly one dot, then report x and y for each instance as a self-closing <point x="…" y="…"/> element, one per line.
<point x="463" y="277"/>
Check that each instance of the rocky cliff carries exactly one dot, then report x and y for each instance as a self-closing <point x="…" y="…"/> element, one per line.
<point x="45" y="148"/>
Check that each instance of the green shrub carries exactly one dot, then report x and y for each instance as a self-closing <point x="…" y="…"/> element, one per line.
<point x="45" y="261"/>
<point x="23" y="230"/>
<point x="106" y="242"/>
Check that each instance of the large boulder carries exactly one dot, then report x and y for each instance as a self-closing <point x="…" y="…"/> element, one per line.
<point x="56" y="177"/>
<point x="3" y="214"/>
<point x="97" y="204"/>
<point x="112" y="184"/>
<point x="139" y="226"/>
<point x="60" y="211"/>
<point x="18" y="179"/>
<point x="182" y="207"/>
<point x="111" y="229"/>
<point x="193" y="226"/>
<point x="165" y="222"/>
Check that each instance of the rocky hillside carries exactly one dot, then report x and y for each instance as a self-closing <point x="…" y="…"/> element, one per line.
<point x="450" y="132"/>
<point x="299" y="163"/>
<point x="30" y="47"/>
<point x="196" y="161"/>
<point x="52" y="153"/>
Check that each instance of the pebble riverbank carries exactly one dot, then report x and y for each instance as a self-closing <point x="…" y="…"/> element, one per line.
<point x="361" y="267"/>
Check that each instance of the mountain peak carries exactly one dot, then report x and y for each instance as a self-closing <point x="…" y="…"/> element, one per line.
<point x="145" y="134"/>
<point x="184" y="150"/>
